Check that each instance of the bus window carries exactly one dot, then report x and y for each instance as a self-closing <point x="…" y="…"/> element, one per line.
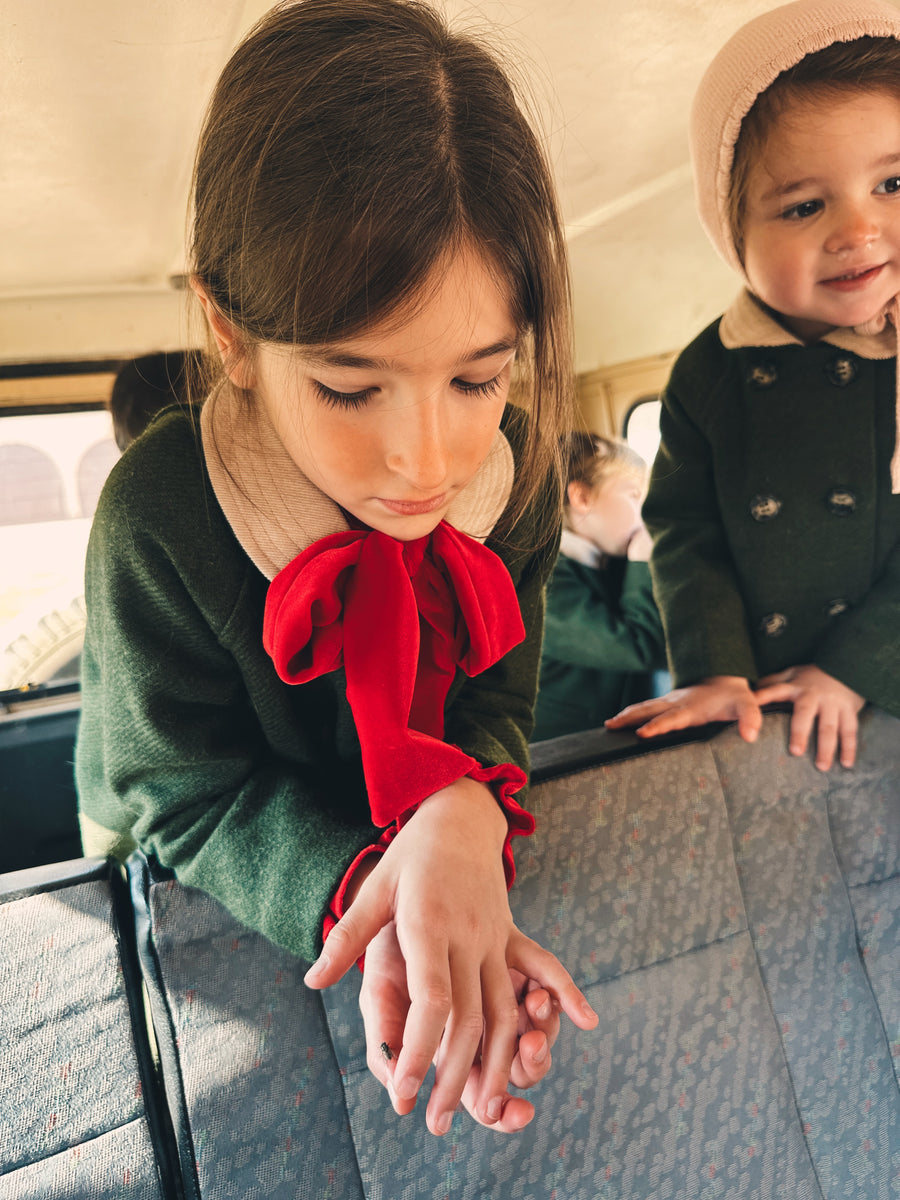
<point x="53" y="465"/>
<point x="641" y="427"/>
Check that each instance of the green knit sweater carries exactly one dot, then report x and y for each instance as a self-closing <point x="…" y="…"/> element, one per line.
<point x="191" y="746"/>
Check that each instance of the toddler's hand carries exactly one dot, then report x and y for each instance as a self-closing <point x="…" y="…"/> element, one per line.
<point x="817" y="696"/>
<point x="433" y="919"/>
<point x="719" y="698"/>
<point x="640" y="546"/>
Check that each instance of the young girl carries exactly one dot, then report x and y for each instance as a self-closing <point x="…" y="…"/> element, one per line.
<point x="308" y="678"/>
<point x="603" y="639"/>
<point x="774" y="498"/>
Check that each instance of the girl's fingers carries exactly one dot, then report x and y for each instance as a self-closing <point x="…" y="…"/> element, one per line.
<point x="533" y="1060"/>
<point x="749" y="718"/>
<point x="457" y="1050"/>
<point x="500" y="1039"/>
<point x="539" y="964"/>
<point x="348" y="939"/>
<point x="826" y="740"/>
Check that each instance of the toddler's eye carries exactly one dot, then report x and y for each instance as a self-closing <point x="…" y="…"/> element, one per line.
<point x="343" y="399"/>
<point x="488" y="388"/>
<point x="890" y="186"/>
<point x="799" y="212"/>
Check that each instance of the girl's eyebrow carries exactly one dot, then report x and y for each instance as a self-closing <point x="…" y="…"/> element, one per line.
<point x="341" y="358"/>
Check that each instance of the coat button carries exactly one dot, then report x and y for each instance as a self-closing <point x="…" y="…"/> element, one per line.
<point x="835" y="607"/>
<point x="773" y="625"/>
<point x="763" y="375"/>
<point x="841" y="370"/>
<point x="764" y="508"/>
<point x="841" y="502"/>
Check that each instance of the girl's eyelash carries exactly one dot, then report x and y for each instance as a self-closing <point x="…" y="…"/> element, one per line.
<point x="343" y="399"/>
<point x="488" y="388"/>
<point x="358" y="399"/>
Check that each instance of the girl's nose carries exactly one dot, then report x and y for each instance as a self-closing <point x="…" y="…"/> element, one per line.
<point x="854" y="228"/>
<point x="419" y="453"/>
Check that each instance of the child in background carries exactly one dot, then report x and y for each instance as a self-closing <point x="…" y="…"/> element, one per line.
<point x="145" y="386"/>
<point x="774" y="497"/>
<point x="314" y="628"/>
<point x="603" y="639"/>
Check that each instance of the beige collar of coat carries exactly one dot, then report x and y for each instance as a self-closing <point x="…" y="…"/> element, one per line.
<point x="275" y="511"/>
<point x="746" y="323"/>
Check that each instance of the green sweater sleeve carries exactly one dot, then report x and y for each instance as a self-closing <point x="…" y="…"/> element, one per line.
<point x="585" y="627"/>
<point x="694" y="580"/>
<point x="171" y="748"/>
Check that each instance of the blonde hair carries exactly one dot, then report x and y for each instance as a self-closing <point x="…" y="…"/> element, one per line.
<point x="592" y="459"/>
<point x="349" y="147"/>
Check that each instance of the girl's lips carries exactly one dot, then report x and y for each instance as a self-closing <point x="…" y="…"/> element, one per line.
<point x="854" y="281"/>
<point x="413" y="508"/>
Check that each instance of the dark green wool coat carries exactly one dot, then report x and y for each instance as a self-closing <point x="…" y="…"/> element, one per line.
<point x="193" y="748"/>
<point x="776" y="537"/>
<point x="602" y="641"/>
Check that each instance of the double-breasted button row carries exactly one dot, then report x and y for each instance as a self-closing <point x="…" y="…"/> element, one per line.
<point x="839" y="501"/>
<point x="775" y="623"/>
<point x="839" y="371"/>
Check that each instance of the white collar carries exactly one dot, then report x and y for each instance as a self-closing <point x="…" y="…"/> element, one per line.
<point x="275" y="511"/>
<point x="581" y="549"/>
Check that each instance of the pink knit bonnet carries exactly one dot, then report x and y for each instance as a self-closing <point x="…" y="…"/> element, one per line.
<point x="745" y="66"/>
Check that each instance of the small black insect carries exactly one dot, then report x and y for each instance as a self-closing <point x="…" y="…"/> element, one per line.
<point x="387" y="1051"/>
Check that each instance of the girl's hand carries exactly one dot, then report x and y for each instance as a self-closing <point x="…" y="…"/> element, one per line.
<point x="719" y="698"/>
<point x="433" y="920"/>
<point x="817" y="696"/>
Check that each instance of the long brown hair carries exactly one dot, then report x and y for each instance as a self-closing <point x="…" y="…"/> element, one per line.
<point x="348" y="146"/>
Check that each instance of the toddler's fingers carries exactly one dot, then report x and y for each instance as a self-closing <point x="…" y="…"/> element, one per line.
<point x="801" y="725"/>
<point x="849" y="726"/>
<point x="826" y="740"/>
<point x="635" y="713"/>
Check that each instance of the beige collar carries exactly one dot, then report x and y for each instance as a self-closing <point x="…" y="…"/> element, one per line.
<point x="275" y="511"/>
<point x="746" y="323"/>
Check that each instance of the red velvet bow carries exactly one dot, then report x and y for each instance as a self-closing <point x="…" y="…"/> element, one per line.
<point x="400" y="617"/>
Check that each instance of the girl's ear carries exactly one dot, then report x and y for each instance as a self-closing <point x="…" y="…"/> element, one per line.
<point x="233" y="357"/>
<point x="579" y="495"/>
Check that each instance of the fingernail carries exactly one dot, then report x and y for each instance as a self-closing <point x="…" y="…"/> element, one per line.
<point x="545" y="1010"/>
<point x="408" y="1087"/>
<point x="589" y="1012"/>
<point x="541" y="1054"/>
<point x="495" y="1108"/>
<point x="318" y="966"/>
<point x="443" y="1123"/>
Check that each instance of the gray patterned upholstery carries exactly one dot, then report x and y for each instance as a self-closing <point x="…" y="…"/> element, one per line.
<point x="734" y="916"/>
<point x="732" y="913"/>
<point x="73" y="1124"/>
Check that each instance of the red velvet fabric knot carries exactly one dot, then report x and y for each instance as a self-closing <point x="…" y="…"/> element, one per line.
<point x="400" y="617"/>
